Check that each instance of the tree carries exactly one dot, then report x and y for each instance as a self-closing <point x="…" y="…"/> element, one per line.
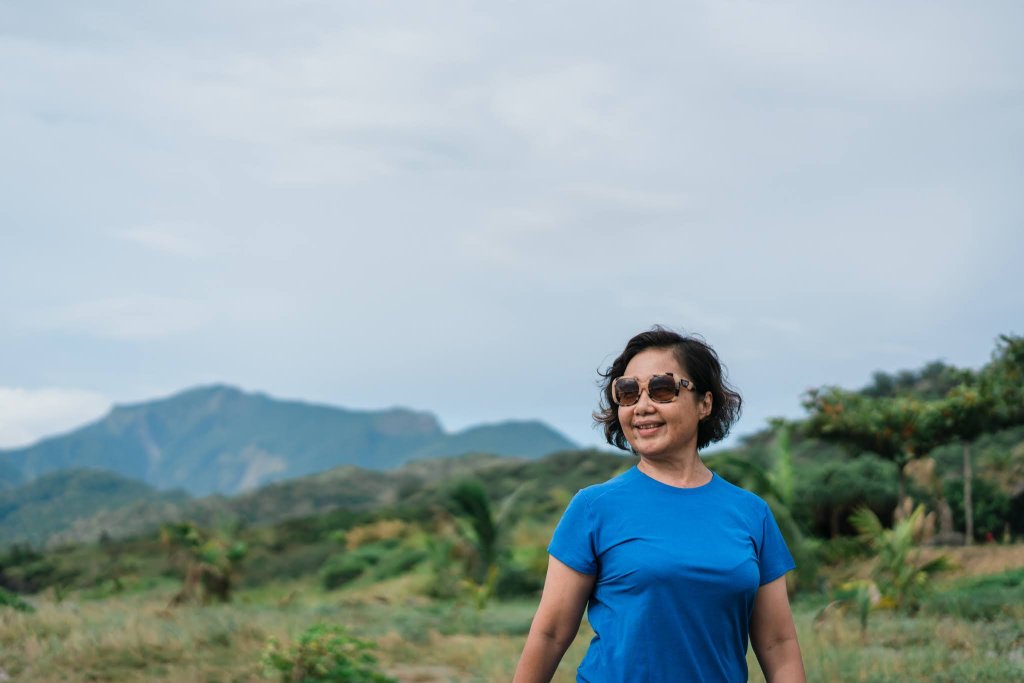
<point x="483" y="529"/>
<point x="828" y="489"/>
<point x="991" y="400"/>
<point x="962" y="416"/>
<point x="209" y="562"/>
<point x="901" y="576"/>
<point x="1002" y="381"/>
<point x="895" y="428"/>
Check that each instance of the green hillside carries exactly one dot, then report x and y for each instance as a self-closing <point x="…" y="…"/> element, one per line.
<point x="53" y="502"/>
<point x="344" y="488"/>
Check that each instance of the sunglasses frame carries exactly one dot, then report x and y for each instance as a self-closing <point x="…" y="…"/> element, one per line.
<point x="645" y="386"/>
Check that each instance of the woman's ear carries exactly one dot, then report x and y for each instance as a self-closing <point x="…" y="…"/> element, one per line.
<point x="706" y="404"/>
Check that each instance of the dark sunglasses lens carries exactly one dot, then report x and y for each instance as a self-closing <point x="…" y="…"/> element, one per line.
<point x="627" y="391"/>
<point x="662" y="388"/>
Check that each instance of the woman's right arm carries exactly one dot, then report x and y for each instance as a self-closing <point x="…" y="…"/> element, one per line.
<point x="556" y="623"/>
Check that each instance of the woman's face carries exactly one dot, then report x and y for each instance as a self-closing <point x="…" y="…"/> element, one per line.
<point x="662" y="430"/>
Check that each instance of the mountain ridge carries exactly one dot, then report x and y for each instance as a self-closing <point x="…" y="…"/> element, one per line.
<point x="220" y="439"/>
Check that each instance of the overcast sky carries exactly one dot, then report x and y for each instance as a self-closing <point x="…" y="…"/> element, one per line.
<point x="468" y="208"/>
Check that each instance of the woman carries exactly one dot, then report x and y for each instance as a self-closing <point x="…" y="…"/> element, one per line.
<point x="676" y="566"/>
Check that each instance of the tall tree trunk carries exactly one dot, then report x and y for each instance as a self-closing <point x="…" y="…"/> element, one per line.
<point x="968" y="500"/>
<point x="833" y="521"/>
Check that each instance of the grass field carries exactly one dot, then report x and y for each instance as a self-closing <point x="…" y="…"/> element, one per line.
<point x="135" y="637"/>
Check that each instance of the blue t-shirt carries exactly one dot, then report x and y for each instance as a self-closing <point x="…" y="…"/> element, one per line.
<point x="677" y="572"/>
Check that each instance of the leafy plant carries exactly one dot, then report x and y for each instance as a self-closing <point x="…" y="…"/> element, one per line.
<point x="324" y="654"/>
<point x="12" y="600"/>
<point x="985" y="598"/>
<point x="484" y="531"/>
<point x="208" y="561"/>
<point x="902" y="578"/>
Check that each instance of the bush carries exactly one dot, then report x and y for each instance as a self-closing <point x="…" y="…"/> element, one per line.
<point x="983" y="599"/>
<point x="342" y="569"/>
<point x="398" y="562"/>
<point x="12" y="600"/>
<point x="266" y="565"/>
<point x="842" y="549"/>
<point x="324" y="654"/>
<point x="515" y="581"/>
<point x="991" y="507"/>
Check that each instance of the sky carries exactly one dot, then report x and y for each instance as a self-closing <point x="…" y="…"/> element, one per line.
<point x="468" y="208"/>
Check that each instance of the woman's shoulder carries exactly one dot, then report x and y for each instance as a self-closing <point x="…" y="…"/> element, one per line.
<point x="619" y="483"/>
<point x="740" y="496"/>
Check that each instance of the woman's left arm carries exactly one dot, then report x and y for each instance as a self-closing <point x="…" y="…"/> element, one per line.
<point x="773" y="635"/>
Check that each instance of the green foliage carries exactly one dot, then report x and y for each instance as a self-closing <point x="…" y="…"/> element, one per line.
<point x="516" y="581"/>
<point x="27" y="570"/>
<point x="473" y="508"/>
<point x="207" y="560"/>
<point x="859" y="596"/>
<point x="890" y="427"/>
<point x="49" y="504"/>
<point x="324" y="654"/>
<point x="13" y="601"/>
<point x="988" y="598"/>
<point x="828" y="489"/>
<point x="350" y="565"/>
<point x="991" y="507"/>
<point x="1002" y="381"/>
<point x="932" y="381"/>
<point x="842" y="550"/>
<point x="485" y="532"/>
<point x="902" y="578"/>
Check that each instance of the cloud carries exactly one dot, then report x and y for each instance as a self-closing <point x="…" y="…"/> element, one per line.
<point x="27" y="415"/>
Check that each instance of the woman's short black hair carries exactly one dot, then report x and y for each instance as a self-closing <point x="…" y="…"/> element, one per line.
<point x="701" y="364"/>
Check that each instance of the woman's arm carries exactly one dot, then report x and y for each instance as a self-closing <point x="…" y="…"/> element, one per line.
<point x="556" y="623"/>
<point x="773" y="635"/>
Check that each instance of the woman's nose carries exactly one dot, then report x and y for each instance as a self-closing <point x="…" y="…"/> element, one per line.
<point x="644" y="402"/>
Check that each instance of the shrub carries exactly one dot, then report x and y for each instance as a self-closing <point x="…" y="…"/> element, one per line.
<point x="324" y="654"/>
<point x="991" y="507"/>
<point x="341" y="569"/>
<point x="397" y="562"/>
<point x="842" y="550"/>
<point x="986" y="598"/>
<point x="12" y="600"/>
<point x="515" y="581"/>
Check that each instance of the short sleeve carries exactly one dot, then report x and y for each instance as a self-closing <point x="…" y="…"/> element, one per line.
<point x="573" y="540"/>
<point x="773" y="557"/>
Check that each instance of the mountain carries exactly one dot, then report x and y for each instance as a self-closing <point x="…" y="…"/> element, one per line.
<point x="218" y="439"/>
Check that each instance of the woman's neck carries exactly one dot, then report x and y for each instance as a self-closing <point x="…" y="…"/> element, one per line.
<point x="681" y="472"/>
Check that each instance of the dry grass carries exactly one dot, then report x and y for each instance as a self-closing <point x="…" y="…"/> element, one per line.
<point x="134" y="638"/>
<point x="975" y="560"/>
<point x="978" y="560"/>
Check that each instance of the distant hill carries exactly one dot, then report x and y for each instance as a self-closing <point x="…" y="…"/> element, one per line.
<point x="218" y="439"/>
<point x="350" y="488"/>
<point x="50" y="504"/>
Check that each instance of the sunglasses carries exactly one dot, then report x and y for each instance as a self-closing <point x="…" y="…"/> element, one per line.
<point x="660" y="388"/>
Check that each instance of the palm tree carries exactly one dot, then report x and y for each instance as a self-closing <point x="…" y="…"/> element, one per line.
<point x="483" y="530"/>
<point x="901" y="576"/>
